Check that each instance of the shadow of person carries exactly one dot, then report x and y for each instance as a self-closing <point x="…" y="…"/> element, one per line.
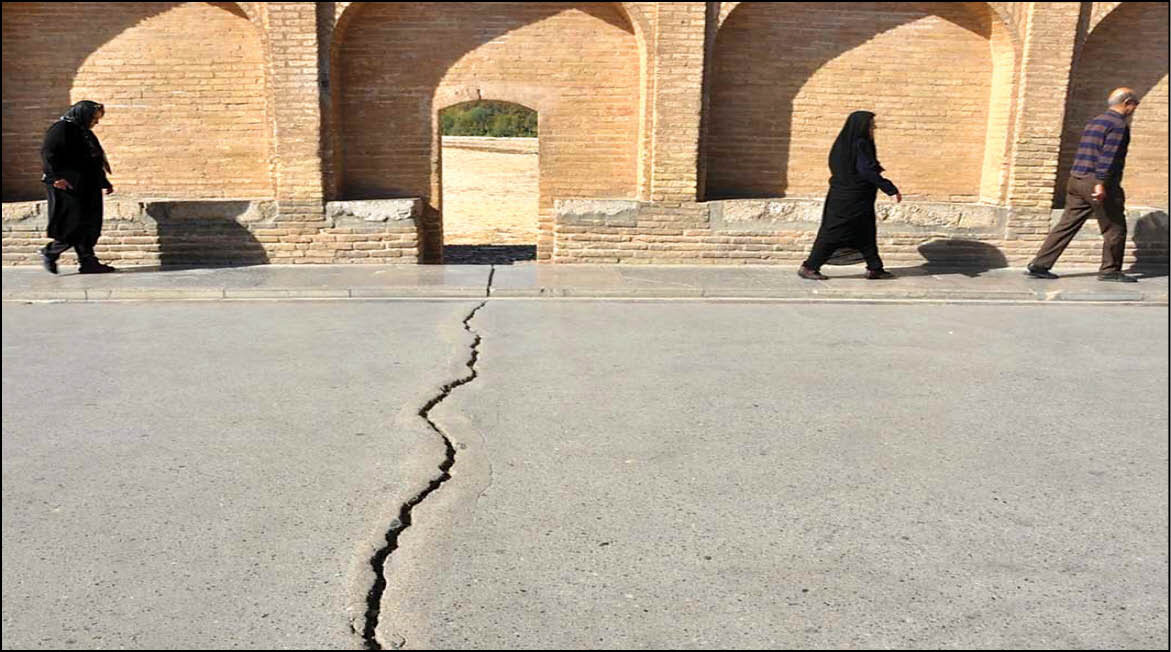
<point x="958" y="256"/>
<point x="1151" y="245"/>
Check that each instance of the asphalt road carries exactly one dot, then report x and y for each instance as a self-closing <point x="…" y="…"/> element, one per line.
<point x="627" y="475"/>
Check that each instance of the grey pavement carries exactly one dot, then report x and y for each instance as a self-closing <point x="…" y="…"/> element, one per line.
<point x="696" y="474"/>
<point x="189" y="475"/>
<point x="814" y="476"/>
<point x="577" y="281"/>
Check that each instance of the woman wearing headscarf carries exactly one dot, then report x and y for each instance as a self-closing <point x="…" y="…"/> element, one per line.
<point x="848" y="219"/>
<point x="75" y="169"/>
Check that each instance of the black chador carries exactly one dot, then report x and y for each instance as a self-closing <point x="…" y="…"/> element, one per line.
<point x="72" y="153"/>
<point x="848" y="220"/>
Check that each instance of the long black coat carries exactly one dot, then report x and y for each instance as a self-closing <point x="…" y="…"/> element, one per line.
<point x="73" y="214"/>
<point x="848" y="223"/>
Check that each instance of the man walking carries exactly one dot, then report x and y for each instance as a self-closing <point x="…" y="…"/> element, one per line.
<point x="1095" y="188"/>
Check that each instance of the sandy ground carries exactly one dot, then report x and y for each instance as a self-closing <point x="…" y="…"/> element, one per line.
<point x="489" y="190"/>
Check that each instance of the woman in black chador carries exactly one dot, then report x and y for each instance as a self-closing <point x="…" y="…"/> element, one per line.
<point x="848" y="220"/>
<point x="75" y="169"/>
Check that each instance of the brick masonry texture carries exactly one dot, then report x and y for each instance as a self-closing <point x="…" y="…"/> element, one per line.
<point x="233" y="126"/>
<point x="577" y="65"/>
<point x="183" y="83"/>
<point x="1128" y="47"/>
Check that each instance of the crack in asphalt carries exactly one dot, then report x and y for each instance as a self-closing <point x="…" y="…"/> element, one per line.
<point x="397" y="526"/>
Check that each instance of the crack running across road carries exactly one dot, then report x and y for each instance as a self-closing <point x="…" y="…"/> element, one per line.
<point x="378" y="561"/>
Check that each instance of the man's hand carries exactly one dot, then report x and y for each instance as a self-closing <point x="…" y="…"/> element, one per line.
<point x="1099" y="192"/>
<point x="898" y="197"/>
<point x="110" y="190"/>
<point x="62" y="184"/>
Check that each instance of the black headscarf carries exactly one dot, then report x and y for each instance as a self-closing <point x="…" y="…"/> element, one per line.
<point x="82" y="114"/>
<point x="843" y="155"/>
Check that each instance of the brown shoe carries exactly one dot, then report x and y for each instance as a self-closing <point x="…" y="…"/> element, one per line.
<point x="811" y="274"/>
<point x="878" y="274"/>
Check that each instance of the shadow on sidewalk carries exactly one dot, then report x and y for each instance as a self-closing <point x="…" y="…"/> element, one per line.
<point x="971" y="258"/>
<point x="488" y="254"/>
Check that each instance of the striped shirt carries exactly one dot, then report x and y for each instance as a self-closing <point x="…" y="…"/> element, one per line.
<point x="1102" y="150"/>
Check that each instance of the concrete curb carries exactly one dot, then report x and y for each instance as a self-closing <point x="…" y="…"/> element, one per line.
<point x="781" y="294"/>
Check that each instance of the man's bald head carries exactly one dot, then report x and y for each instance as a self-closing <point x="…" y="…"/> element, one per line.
<point x="1123" y="99"/>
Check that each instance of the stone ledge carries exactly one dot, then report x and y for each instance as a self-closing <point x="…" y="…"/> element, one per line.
<point x="153" y="211"/>
<point x="597" y="212"/>
<point x="804" y="214"/>
<point x="372" y="212"/>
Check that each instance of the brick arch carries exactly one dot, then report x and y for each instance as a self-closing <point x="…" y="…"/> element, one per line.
<point x="634" y="13"/>
<point x="576" y="64"/>
<point x="1126" y="45"/>
<point x="130" y="57"/>
<point x="1099" y="11"/>
<point x="780" y="90"/>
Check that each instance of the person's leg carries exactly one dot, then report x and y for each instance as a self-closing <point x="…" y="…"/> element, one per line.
<point x="89" y="237"/>
<point x="1111" y="214"/>
<point x="867" y="243"/>
<point x="51" y="252"/>
<point x="1078" y="209"/>
<point x="55" y="249"/>
<point x="823" y="247"/>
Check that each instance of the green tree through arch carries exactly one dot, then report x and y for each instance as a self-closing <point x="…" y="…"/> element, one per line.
<point x="489" y="118"/>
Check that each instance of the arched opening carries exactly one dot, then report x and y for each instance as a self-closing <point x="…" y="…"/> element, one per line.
<point x="394" y="65"/>
<point x="786" y="75"/>
<point x="184" y="85"/>
<point x="1127" y="48"/>
<point x="489" y="183"/>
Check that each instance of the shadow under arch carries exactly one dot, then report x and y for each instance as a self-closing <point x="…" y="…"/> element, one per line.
<point x="413" y="100"/>
<point x="35" y="95"/>
<point x="747" y="154"/>
<point x="204" y="234"/>
<point x="1112" y="56"/>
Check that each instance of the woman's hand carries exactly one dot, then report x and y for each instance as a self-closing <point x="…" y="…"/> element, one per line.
<point x="898" y="197"/>
<point x="62" y="184"/>
<point x="110" y="190"/>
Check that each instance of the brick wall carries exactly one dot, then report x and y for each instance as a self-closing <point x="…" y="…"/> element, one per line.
<point x="1127" y="47"/>
<point x="185" y="232"/>
<point x="786" y="75"/>
<point x="287" y="105"/>
<point x="183" y="83"/>
<point x="397" y="65"/>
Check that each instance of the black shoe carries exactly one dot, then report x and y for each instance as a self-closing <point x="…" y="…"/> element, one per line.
<point x="95" y="268"/>
<point x="1037" y="272"/>
<point x="48" y="262"/>
<point x="878" y="274"/>
<point x="1117" y="277"/>
<point x="811" y="274"/>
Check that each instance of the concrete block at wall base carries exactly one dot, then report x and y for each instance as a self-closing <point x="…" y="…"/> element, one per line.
<point x="353" y="212"/>
<point x="25" y="212"/>
<point x="788" y="214"/>
<point x="599" y="212"/>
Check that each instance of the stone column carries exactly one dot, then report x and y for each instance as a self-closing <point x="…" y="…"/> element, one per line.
<point x="296" y="109"/>
<point x="678" y="44"/>
<point x="1050" y="35"/>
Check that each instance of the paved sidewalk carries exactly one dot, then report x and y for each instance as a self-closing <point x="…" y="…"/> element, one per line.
<point x="581" y="281"/>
